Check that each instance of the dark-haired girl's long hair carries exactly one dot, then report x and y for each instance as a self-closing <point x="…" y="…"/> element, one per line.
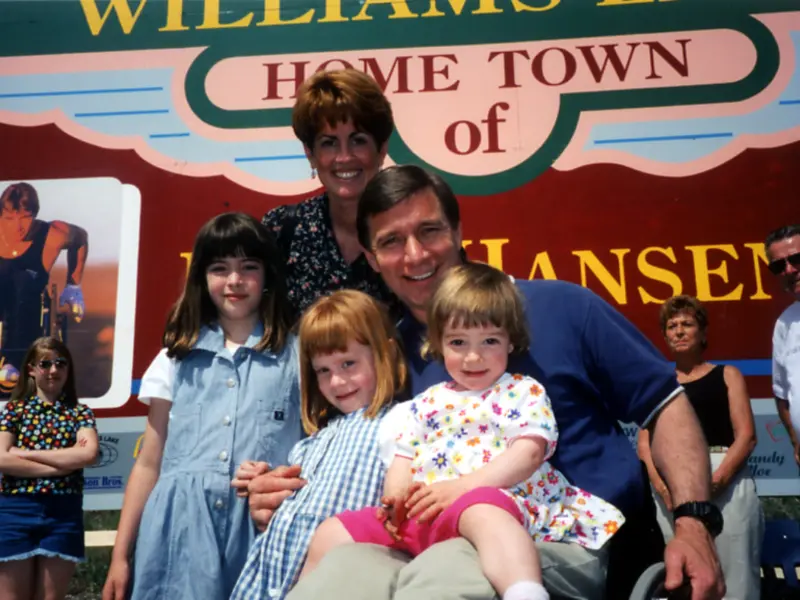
<point x="229" y="235"/>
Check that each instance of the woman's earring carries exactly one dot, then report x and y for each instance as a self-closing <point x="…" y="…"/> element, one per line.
<point x="313" y="173"/>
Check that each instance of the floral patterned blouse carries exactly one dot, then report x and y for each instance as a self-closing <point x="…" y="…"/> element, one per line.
<point x="40" y="425"/>
<point x="448" y="434"/>
<point x="315" y="266"/>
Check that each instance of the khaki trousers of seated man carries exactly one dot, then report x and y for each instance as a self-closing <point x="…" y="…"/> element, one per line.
<point x="446" y="571"/>
<point x="739" y="544"/>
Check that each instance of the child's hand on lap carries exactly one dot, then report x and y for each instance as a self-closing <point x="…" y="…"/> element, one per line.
<point x="393" y="514"/>
<point x="394" y="510"/>
<point x="427" y="501"/>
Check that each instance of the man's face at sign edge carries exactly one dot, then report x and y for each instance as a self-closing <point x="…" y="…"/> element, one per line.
<point x="412" y="247"/>
<point x="790" y="277"/>
<point x="14" y="224"/>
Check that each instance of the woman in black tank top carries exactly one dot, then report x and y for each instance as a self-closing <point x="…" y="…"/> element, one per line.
<point x="719" y="396"/>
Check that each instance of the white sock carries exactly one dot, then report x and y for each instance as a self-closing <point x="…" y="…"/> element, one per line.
<point x="526" y="590"/>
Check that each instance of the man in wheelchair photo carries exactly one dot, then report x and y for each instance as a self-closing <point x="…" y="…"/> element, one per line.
<point x="29" y="247"/>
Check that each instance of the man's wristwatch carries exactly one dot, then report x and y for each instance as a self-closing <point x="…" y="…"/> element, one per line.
<point x="705" y="512"/>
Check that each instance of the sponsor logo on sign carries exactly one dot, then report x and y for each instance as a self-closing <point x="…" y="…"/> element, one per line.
<point x="777" y="430"/>
<point x="103" y="483"/>
<point x="107" y="452"/>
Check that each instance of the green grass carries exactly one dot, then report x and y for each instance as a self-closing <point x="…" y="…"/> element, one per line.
<point x="785" y="507"/>
<point x="90" y="576"/>
<point x="87" y="584"/>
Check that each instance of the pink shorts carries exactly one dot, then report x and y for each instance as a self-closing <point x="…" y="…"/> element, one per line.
<point x="365" y="527"/>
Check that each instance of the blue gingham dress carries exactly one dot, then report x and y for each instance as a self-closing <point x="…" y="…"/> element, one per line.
<point x="344" y="471"/>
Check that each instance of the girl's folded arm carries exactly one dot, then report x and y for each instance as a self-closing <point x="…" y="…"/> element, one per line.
<point x="82" y="454"/>
<point x="19" y="466"/>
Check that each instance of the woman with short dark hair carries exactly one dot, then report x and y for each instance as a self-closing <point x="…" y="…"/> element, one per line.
<point x="719" y="396"/>
<point x="344" y="122"/>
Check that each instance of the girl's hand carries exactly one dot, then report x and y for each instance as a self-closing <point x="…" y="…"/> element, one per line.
<point x="392" y="514"/>
<point x="116" y="586"/>
<point x="16" y="451"/>
<point x="429" y="501"/>
<point x="247" y="471"/>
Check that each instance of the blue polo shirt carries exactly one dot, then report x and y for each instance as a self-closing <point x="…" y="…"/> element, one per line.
<point x="597" y="369"/>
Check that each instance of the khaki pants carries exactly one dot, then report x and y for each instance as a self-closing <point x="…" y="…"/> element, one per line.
<point x="446" y="571"/>
<point x="739" y="544"/>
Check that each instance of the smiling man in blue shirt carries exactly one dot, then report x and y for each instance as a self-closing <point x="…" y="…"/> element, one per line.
<point x="597" y="369"/>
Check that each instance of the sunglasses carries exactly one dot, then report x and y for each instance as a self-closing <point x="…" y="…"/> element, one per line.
<point x="778" y="267"/>
<point x="46" y="365"/>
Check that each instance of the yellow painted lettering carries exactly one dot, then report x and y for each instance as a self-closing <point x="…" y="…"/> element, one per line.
<point x="211" y="17"/>
<point x="494" y="252"/>
<point x="542" y="263"/>
<point x="333" y="12"/>
<point x="187" y="256"/>
<point x="174" y="16"/>
<point x="127" y="19"/>
<point x="615" y="287"/>
<point x="485" y="7"/>
<point x="272" y="14"/>
<point x="520" y="6"/>
<point x="702" y="272"/>
<point x="759" y="256"/>
<point x="400" y="10"/>
<point x="624" y="2"/>
<point x="658" y="274"/>
<point x="138" y="446"/>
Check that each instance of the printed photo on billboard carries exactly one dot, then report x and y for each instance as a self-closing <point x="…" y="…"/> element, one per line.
<point x="68" y="260"/>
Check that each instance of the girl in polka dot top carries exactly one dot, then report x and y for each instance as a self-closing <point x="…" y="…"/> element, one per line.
<point x="46" y="439"/>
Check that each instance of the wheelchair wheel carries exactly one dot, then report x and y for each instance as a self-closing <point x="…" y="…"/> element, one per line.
<point x="650" y="583"/>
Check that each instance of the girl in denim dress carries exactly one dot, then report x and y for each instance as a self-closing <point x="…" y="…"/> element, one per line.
<point x="46" y="438"/>
<point x="223" y="391"/>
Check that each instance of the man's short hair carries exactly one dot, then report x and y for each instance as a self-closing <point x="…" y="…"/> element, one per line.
<point x="395" y="184"/>
<point x="782" y="233"/>
<point x="20" y="197"/>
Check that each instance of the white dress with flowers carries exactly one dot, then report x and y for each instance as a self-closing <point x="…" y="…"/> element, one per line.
<point x="449" y="434"/>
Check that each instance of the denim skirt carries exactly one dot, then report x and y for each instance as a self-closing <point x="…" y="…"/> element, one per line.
<point x="41" y="525"/>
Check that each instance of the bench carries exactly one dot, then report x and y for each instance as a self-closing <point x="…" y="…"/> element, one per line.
<point x="780" y="558"/>
<point x="99" y="539"/>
